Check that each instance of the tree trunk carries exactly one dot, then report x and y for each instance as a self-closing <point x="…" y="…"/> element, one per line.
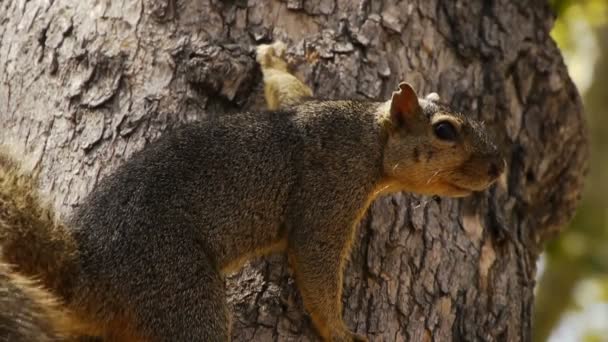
<point x="84" y="84"/>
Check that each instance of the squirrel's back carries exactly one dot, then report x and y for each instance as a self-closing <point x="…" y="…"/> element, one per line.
<point x="227" y="178"/>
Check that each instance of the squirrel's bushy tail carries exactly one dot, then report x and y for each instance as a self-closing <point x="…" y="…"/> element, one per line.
<point x="32" y="242"/>
<point x="29" y="313"/>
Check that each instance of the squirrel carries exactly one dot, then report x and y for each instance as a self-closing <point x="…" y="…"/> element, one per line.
<point x="143" y="257"/>
<point x="281" y="88"/>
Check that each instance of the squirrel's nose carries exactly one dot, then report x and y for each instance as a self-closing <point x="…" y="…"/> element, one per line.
<point x="496" y="168"/>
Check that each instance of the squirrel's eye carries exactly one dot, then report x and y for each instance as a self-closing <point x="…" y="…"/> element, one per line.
<point x="444" y="130"/>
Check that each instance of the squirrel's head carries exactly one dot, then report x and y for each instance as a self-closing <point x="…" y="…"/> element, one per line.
<point x="433" y="150"/>
<point x="272" y="56"/>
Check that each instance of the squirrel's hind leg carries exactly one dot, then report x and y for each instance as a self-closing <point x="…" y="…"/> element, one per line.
<point x="187" y="304"/>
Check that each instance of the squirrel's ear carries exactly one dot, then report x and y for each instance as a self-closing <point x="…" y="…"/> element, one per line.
<point x="404" y="104"/>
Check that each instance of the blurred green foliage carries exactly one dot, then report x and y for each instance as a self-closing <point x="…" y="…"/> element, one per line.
<point x="580" y="254"/>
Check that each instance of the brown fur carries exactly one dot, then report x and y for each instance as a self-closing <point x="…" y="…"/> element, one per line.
<point x="36" y="247"/>
<point x="30" y="236"/>
<point x="153" y="240"/>
<point x="30" y="313"/>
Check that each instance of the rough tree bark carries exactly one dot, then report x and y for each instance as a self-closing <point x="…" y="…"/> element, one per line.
<point x="83" y="84"/>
